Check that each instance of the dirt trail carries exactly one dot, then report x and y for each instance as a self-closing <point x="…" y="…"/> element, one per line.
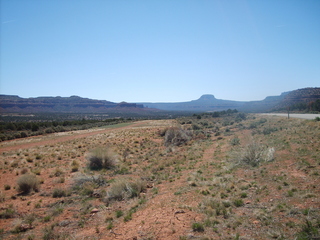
<point x="17" y="144"/>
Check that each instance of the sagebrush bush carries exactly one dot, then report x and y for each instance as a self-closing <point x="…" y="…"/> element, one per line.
<point x="176" y="136"/>
<point x="58" y="193"/>
<point x="27" y="183"/>
<point x="125" y="189"/>
<point x="254" y="154"/>
<point x="100" y="158"/>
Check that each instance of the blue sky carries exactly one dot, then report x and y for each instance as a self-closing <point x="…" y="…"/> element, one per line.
<point x="159" y="50"/>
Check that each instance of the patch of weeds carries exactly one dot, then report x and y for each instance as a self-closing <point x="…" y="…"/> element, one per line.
<point x="197" y="227"/>
<point x="243" y="195"/>
<point x="122" y="171"/>
<point x="9" y="212"/>
<point x="290" y="193"/>
<point x="308" y="231"/>
<point x="119" y="213"/>
<point x="58" y="193"/>
<point x="155" y="190"/>
<point x="235" y="141"/>
<point x="128" y="217"/>
<point x="110" y="225"/>
<point x="205" y="192"/>
<point x="57" y="210"/>
<point x="47" y="218"/>
<point x="238" y="202"/>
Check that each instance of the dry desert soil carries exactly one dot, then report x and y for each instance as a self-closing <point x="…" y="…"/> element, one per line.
<point x="247" y="177"/>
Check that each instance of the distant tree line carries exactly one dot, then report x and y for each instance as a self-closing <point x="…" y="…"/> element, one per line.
<point x="313" y="106"/>
<point x="217" y="113"/>
<point x="13" y="130"/>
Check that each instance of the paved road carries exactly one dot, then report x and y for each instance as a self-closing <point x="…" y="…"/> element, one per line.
<point x="293" y="115"/>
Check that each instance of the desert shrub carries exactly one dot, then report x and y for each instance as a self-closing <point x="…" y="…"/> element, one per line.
<point x="57" y="172"/>
<point x="309" y="231"/>
<point x="176" y="136"/>
<point x="102" y="158"/>
<point x="125" y="189"/>
<point x="58" y="193"/>
<point x="28" y="182"/>
<point x="234" y="141"/>
<point x="49" y="233"/>
<point x="253" y="154"/>
<point x="74" y="166"/>
<point x="269" y="130"/>
<point x="238" y="202"/>
<point x="7" y="187"/>
<point x="8" y="213"/>
<point x="81" y="181"/>
<point x="197" y="227"/>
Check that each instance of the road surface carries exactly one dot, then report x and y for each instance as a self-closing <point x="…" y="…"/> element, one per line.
<point x="293" y="115"/>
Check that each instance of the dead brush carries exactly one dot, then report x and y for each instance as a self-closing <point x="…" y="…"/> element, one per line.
<point x="253" y="155"/>
<point x="175" y="136"/>
<point x="27" y="183"/>
<point x="125" y="189"/>
<point x="100" y="158"/>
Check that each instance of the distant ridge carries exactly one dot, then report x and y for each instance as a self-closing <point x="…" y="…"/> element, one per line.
<point x="76" y="104"/>
<point x="206" y="103"/>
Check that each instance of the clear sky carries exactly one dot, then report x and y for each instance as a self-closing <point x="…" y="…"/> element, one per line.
<point x="159" y="50"/>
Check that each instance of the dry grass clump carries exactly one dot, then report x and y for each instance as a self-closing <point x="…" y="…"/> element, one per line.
<point x="176" y="136"/>
<point x="253" y="155"/>
<point x="28" y="182"/>
<point x="125" y="189"/>
<point x="100" y="158"/>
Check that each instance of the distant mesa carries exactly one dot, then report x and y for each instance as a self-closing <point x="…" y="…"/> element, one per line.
<point x="208" y="103"/>
<point x="300" y="99"/>
<point x="206" y="98"/>
<point x="73" y="104"/>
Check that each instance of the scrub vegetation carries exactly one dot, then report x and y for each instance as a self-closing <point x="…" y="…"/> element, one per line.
<point x="222" y="175"/>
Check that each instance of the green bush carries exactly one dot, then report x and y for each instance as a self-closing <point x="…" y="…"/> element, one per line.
<point x="309" y="231"/>
<point x="101" y="158"/>
<point x="27" y="183"/>
<point x="197" y="227"/>
<point x="238" y="202"/>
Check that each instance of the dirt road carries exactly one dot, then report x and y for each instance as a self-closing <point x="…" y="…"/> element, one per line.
<point x="294" y="115"/>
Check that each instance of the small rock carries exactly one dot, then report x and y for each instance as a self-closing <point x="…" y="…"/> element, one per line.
<point x="64" y="223"/>
<point x="95" y="210"/>
<point x="25" y="227"/>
